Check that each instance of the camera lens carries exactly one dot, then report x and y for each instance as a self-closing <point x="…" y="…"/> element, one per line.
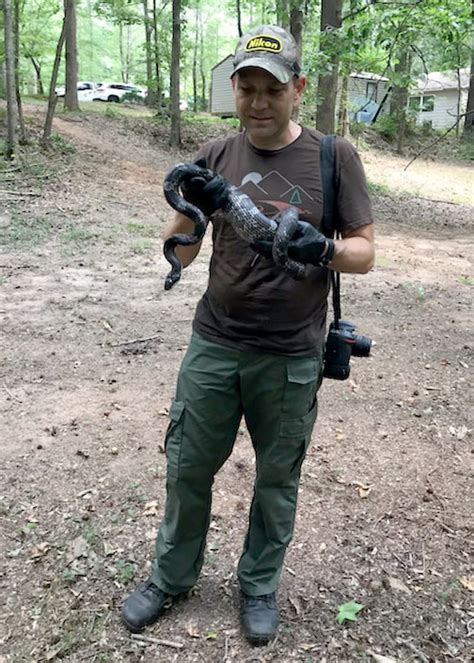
<point x="361" y="347"/>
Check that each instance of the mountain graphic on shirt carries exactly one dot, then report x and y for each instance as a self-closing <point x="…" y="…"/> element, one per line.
<point x="274" y="193"/>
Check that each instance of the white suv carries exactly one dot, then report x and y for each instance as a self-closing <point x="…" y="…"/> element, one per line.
<point x="85" y="90"/>
<point x="116" y="92"/>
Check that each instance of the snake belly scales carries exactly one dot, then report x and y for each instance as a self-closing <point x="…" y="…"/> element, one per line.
<point x="247" y="220"/>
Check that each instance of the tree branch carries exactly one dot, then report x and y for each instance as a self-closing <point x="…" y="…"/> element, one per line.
<point x="440" y="138"/>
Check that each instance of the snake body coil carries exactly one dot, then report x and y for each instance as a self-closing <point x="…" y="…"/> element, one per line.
<point x="247" y="220"/>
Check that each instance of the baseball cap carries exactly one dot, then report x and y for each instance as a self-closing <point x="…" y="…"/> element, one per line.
<point x="268" y="47"/>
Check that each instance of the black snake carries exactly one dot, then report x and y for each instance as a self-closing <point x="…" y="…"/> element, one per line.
<point x="247" y="220"/>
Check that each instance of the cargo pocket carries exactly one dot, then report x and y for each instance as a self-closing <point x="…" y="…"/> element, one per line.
<point x="302" y="386"/>
<point x="297" y="434"/>
<point x="174" y="436"/>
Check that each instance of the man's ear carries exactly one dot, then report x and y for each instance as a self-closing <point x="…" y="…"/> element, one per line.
<point x="300" y="84"/>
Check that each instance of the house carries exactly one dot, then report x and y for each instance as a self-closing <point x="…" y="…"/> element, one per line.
<point x="365" y="91"/>
<point x="434" y="99"/>
<point x="221" y="97"/>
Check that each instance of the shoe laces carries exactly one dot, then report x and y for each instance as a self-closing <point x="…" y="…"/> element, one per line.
<point x="253" y="601"/>
<point x="149" y="585"/>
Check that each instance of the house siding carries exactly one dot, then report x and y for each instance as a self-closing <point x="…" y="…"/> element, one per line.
<point x="445" y="109"/>
<point x="222" y="97"/>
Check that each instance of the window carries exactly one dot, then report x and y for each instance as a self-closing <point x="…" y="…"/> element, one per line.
<point x="371" y="91"/>
<point x="427" y="104"/>
<point x="414" y="104"/>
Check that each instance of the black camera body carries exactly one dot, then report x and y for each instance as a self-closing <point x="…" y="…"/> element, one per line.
<point x="341" y="344"/>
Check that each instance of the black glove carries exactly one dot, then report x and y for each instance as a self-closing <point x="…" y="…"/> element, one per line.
<point x="307" y="246"/>
<point x="210" y="195"/>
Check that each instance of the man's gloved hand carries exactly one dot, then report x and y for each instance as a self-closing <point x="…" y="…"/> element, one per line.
<point x="210" y="195"/>
<point x="307" y="246"/>
<point x="310" y="246"/>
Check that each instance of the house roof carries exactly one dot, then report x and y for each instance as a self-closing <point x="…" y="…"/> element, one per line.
<point x="222" y="61"/>
<point x="367" y="75"/>
<point x="436" y="81"/>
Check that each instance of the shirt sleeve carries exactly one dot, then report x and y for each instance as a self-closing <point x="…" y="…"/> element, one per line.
<point x="354" y="208"/>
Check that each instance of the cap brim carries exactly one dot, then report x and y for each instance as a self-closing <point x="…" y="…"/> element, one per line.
<point x="281" y="73"/>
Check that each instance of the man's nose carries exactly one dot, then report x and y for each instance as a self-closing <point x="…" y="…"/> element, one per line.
<point x="260" y="101"/>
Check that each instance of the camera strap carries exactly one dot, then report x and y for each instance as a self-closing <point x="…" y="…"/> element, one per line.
<point x="329" y="225"/>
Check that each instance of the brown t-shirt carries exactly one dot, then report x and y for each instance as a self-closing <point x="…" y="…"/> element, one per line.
<point x="249" y="303"/>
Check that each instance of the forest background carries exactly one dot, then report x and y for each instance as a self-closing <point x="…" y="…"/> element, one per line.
<point x="171" y="46"/>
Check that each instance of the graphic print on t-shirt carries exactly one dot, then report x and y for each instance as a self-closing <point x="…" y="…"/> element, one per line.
<point x="273" y="193"/>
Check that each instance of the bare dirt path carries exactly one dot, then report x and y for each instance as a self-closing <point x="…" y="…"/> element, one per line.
<point x="386" y="496"/>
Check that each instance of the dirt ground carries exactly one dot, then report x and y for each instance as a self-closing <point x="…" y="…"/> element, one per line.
<point x="90" y="349"/>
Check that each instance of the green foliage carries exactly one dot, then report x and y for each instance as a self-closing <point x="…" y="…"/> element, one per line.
<point x="348" y="612"/>
<point x="111" y="112"/>
<point x="126" y="571"/>
<point x="61" y="145"/>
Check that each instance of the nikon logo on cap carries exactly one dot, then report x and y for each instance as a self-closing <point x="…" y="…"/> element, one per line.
<point x="263" y="43"/>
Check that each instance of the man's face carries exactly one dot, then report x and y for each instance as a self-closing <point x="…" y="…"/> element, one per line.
<point x="264" y="105"/>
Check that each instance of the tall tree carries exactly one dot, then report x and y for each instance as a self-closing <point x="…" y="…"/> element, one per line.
<point x="327" y="81"/>
<point x="52" y="98"/>
<point x="12" y="110"/>
<point x="151" y="97"/>
<point x="469" y="119"/>
<point x="16" y="30"/>
<point x="72" y="67"/>
<point x="175" y="136"/>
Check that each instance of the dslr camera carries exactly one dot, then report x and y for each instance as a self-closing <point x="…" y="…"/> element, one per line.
<point x="341" y="344"/>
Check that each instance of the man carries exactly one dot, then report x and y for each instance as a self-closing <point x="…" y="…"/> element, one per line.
<point x="258" y="336"/>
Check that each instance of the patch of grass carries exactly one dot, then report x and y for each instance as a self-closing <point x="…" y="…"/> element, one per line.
<point x="141" y="246"/>
<point x="381" y="261"/>
<point x="77" y="235"/>
<point x="61" y="145"/>
<point x="24" y="232"/>
<point x="466" y="280"/>
<point x="111" y="112"/>
<point x="143" y="229"/>
<point x="377" y="188"/>
<point x="126" y="571"/>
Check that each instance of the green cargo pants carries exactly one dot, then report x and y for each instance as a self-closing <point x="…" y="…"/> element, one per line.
<point x="216" y="386"/>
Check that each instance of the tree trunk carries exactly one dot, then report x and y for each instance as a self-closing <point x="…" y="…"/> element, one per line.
<point x="52" y="99"/>
<point x="150" y="83"/>
<point x="283" y="14"/>
<point x="175" y="136"/>
<point x="39" y="80"/>
<point x="296" y="28"/>
<point x="469" y="119"/>
<point x="122" y="54"/>
<point x="239" y="18"/>
<point x="195" y="53"/>
<point x="12" y="109"/>
<point x="342" y="115"/>
<point x="70" y="98"/>
<point x="16" y="29"/>
<point x="327" y="83"/>
<point x="400" y="97"/>
<point x="201" y="65"/>
<point x="157" y="55"/>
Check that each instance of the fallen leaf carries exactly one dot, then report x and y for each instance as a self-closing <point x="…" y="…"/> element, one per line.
<point x="39" y="551"/>
<point x="151" y="508"/>
<point x="77" y="548"/>
<point x="106" y="324"/>
<point x="296" y="603"/>
<point x="397" y="584"/>
<point x="467" y="582"/>
<point x="164" y="412"/>
<point x="348" y="611"/>
<point x="192" y="630"/>
<point x="378" y="658"/>
<point x="211" y="635"/>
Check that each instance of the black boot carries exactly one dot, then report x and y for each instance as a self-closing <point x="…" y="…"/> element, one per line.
<point x="260" y="617"/>
<point x="144" y="606"/>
